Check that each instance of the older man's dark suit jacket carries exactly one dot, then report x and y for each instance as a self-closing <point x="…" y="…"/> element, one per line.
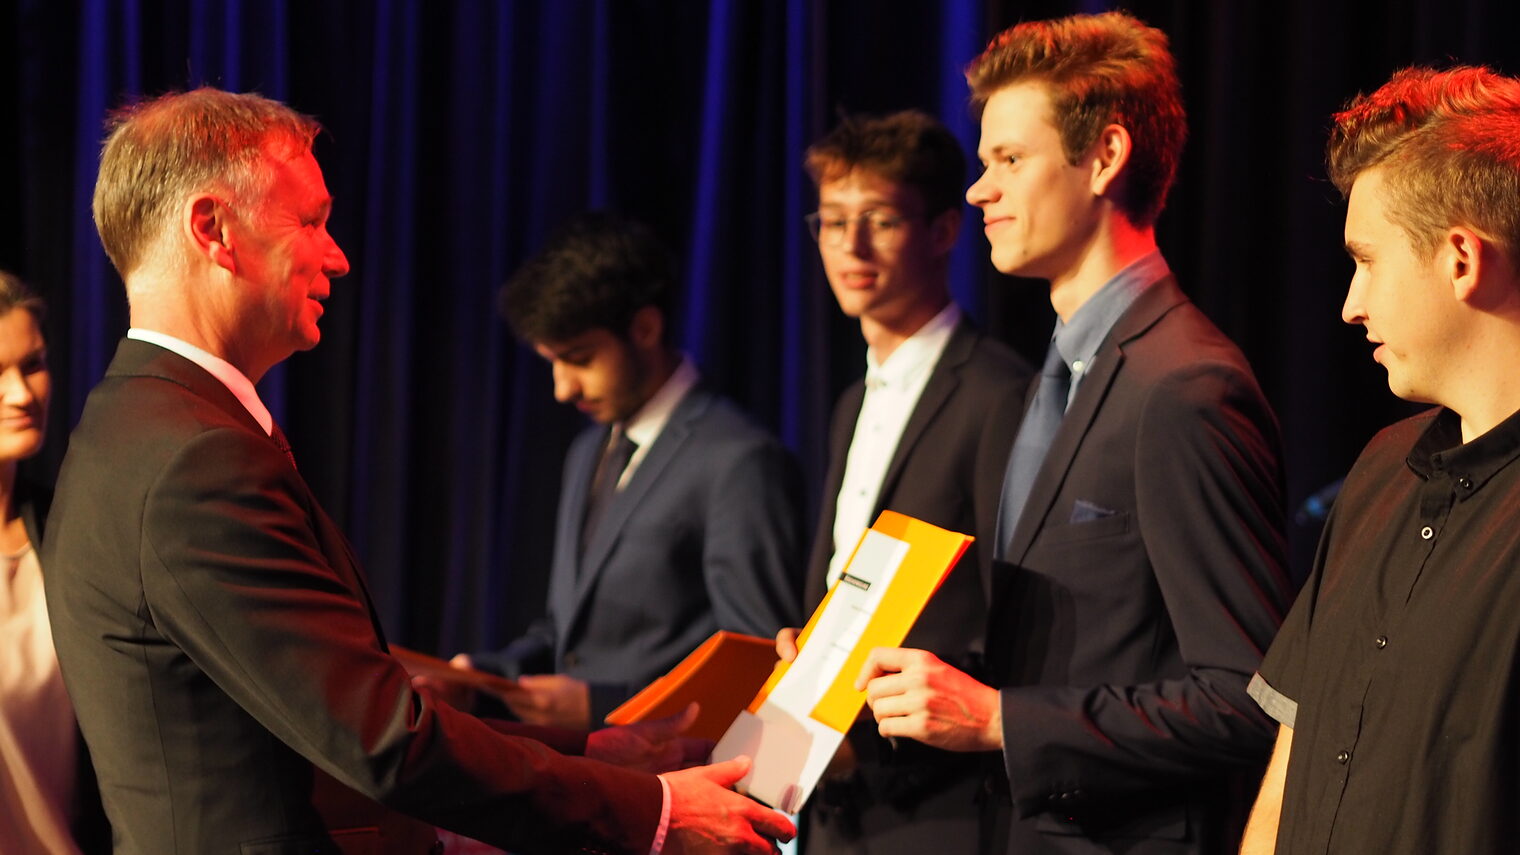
<point x="1147" y="579"/>
<point x="705" y="535"/>
<point x="947" y="469"/>
<point x="217" y="640"/>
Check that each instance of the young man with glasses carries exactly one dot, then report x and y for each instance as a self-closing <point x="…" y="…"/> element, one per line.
<point x="925" y="433"/>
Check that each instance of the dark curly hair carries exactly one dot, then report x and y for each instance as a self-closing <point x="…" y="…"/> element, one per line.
<point x="595" y="272"/>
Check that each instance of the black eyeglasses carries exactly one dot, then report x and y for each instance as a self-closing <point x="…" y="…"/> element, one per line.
<point x="880" y="228"/>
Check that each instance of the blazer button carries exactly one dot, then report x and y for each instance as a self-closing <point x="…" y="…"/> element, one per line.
<point x="572" y="660"/>
<point x="1343" y="757"/>
<point x="1381" y="641"/>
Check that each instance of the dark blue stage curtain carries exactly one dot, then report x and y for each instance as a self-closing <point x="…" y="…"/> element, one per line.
<point x="460" y="133"/>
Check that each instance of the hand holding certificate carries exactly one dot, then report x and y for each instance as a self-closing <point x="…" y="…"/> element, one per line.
<point x="796" y="723"/>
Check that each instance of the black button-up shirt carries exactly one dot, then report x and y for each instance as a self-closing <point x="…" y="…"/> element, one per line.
<point x="1398" y="669"/>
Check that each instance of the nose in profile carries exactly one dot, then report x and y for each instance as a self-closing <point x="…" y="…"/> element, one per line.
<point x="335" y="263"/>
<point x="567" y="387"/>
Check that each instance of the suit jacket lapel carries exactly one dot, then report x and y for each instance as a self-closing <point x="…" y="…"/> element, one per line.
<point x="941" y="385"/>
<point x="1148" y="308"/>
<point x="667" y="448"/>
<point x="841" y="433"/>
<point x="580" y="466"/>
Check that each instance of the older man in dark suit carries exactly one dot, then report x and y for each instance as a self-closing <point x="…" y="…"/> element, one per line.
<point x="213" y="626"/>
<point x="1141" y="512"/>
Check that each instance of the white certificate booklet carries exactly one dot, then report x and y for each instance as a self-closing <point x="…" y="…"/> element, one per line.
<point x="791" y="748"/>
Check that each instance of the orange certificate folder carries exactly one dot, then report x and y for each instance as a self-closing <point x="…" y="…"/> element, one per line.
<point x="722" y="675"/>
<point x="423" y="665"/>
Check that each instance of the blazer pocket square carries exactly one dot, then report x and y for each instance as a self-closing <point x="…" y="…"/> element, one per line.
<point x="1085" y="511"/>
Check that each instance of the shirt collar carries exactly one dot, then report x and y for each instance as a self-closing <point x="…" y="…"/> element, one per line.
<point x="1440" y="450"/>
<point x="917" y="352"/>
<point x="235" y="381"/>
<point x="1079" y="340"/>
<point x="644" y="426"/>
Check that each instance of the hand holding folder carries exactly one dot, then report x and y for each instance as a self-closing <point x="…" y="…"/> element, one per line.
<point x="797" y="721"/>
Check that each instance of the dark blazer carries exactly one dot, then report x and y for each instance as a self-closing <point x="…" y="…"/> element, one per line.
<point x="947" y="469"/>
<point x="1147" y="580"/>
<point x="217" y="638"/>
<point x="706" y="535"/>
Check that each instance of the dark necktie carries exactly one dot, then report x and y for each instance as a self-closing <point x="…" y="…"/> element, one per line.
<point x="279" y="439"/>
<point x="604" y="482"/>
<point x="1033" y="442"/>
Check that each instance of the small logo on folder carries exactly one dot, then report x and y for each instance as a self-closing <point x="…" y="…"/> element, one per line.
<point x="855" y="580"/>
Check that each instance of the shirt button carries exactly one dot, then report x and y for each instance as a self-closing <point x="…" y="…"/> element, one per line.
<point x="1464" y="483"/>
<point x="1381" y="641"/>
<point x="1343" y="758"/>
<point x="1427" y="532"/>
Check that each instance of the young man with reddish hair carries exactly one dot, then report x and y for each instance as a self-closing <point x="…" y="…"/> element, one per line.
<point x="1394" y="676"/>
<point x="1140" y="524"/>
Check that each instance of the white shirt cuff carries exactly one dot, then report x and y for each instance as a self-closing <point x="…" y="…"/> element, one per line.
<point x="664" y="826"/>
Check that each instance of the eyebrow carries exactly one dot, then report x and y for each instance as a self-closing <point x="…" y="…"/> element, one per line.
<point x="566" y="353"/>
<point x="998" y="150"/>
<point x="865" y="204"/>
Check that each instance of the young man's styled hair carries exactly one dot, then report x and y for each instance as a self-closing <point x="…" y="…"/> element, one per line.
<point x="160" y="150"/>
<point x="594" y="273"/>
<point x="1451" y="143"/>
<point x="1099" y="70"/>
<point x="909" y="147"/>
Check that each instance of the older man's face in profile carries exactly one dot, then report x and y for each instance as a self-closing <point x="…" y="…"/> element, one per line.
<point x="287" y="255"/>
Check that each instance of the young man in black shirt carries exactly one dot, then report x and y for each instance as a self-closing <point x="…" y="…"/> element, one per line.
<point x="1395" y="676"/>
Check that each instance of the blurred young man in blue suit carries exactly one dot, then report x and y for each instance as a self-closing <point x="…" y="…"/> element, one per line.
<point x="678" y="516"/>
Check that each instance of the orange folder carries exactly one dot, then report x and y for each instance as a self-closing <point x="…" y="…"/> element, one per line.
<point x="422" y="665"/>
<point x="722" y="675"/>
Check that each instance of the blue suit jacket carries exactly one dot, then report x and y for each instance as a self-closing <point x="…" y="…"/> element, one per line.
<point x="705" y="535"/>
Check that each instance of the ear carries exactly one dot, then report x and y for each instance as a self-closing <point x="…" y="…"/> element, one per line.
<point x="944" y="230"/>
<point x="206" y="220"/>
<point x="647" y="329"/>
<point x="1464" y="257"/>
<point x="1110" y="154"/>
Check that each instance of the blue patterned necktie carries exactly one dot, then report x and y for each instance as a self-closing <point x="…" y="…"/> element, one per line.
<point x="1031" y="445"/>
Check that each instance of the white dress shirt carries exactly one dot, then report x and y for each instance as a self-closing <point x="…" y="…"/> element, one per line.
<point x="644" y="426"/>
<point x="893" y="388"/>
<point x="235" y="381"/>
